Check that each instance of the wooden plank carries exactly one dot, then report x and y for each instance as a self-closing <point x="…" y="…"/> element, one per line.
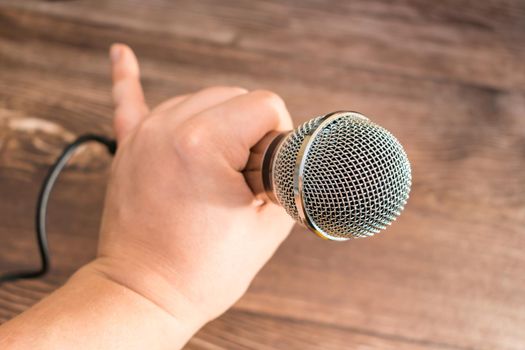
<point x="447" y="274"/>
<point x="479" y="46"/>
<point x="235" y="330"/>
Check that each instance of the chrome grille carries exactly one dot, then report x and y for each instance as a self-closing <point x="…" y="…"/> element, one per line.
<point x="284" y="166"/>
<point x="356" y="176"/>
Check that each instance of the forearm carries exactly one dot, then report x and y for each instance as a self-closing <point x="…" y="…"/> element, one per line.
<point x="92" y="312"/>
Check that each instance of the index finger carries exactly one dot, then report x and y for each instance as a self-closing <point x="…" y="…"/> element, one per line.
<point x="238" y="124"/>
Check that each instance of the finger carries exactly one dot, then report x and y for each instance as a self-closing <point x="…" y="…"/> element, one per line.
<point x="130" y="107"/>
<point x="238" y="124"/>
<point x="172" y="102"/>
<point x="200" y="101"/>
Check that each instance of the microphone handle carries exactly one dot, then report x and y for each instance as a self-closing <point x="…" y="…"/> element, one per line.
<point x="258" y="171"/>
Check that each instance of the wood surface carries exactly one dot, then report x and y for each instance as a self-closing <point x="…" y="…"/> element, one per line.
<point x="446" y="77"/>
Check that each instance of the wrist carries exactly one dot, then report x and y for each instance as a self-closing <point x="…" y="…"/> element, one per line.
<point x="176" y="312"/>
<point x="92" y="310"/>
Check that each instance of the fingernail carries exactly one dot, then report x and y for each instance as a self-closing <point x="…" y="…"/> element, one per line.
<point x="115" y="53"/>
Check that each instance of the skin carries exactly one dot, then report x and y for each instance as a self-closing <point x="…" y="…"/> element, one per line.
<point x="182" y="235"/>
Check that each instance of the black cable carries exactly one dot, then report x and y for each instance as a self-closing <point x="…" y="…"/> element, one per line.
<point x="43" y="197"/>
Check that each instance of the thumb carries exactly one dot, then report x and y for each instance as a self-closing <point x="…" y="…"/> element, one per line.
<point x="130" y="107"/>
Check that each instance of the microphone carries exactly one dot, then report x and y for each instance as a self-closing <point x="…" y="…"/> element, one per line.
<point x="340" y="175"/>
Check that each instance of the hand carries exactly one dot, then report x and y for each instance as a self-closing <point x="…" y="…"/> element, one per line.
<point x="180" y="225"/>
<point x="182" y="235"/>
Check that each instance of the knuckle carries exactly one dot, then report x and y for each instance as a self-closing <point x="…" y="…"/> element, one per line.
<point x="192" y="138"/>
<point x="271" y="100"/>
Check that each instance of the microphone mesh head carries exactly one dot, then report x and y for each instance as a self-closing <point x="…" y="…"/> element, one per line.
<point x="356" y="176"/>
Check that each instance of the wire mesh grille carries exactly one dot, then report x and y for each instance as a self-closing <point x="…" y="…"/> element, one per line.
<point x="356" y="177"/>
<point x="284" y="166"/>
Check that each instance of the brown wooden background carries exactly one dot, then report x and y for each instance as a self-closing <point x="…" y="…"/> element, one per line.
<point x="446" y="77"/>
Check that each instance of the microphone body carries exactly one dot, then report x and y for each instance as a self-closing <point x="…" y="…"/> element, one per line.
<point x="340" y="175"/>
<point x="259" y="168"/>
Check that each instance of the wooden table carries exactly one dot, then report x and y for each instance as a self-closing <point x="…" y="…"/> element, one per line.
<point x="446" y="77"/>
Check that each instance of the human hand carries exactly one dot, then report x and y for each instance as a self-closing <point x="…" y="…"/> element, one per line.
<point x="180" y="225"/>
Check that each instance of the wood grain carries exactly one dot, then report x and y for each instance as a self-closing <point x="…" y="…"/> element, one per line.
<point x="447" y="78"/>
